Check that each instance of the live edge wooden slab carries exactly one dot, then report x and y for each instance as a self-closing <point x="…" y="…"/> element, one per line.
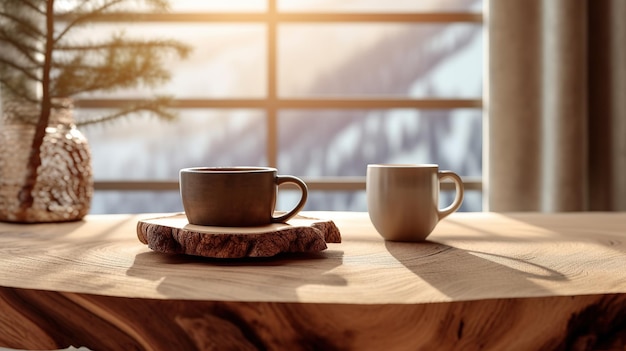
<point x="482" y="281"/>
<point x="173" y="234"/>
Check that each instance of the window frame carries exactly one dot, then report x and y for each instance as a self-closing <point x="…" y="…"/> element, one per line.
<point x="272" y="103"/>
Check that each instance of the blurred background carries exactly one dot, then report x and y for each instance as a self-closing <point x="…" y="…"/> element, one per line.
<point x="261" y="89"/>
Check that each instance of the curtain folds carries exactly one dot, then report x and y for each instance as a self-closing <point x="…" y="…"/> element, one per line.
<point x="556" y="101"/>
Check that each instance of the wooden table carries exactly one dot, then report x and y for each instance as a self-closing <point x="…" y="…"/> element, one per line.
<point x="482" y="281"/>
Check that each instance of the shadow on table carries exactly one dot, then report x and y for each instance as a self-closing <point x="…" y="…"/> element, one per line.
<point x="454" y="263"/>
<point x="465" y="274"/>
<point x="181" y="276"/>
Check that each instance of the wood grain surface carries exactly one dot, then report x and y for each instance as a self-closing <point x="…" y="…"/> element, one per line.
<point x="51" y="320"/>
<point x="173" y="234"/>
<point x="481" y="281"/>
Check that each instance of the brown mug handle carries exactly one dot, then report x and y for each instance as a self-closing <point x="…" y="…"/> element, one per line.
<point x="281" y="179"/>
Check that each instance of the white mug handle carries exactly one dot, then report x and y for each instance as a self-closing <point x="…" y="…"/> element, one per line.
<point x="458" y="199"/>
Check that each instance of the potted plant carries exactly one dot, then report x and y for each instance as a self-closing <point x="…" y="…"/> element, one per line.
<point x="45" y="171"/>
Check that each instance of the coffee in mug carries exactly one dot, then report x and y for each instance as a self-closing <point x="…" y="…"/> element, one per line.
<point x="235" y="196"/>
<point x="403" y="200"/>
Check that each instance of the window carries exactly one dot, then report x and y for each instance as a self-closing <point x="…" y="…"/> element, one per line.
<point x="316" y="88"/>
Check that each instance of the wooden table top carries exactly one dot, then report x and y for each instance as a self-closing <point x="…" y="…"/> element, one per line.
<point x="483" y="281"/>
<point x="469" y="256"/>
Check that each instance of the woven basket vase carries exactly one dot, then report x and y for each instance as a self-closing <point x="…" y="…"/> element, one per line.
<point x="64" y="186"/>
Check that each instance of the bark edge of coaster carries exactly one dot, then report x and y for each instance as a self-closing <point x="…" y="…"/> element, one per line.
<point x="173" y="234"/>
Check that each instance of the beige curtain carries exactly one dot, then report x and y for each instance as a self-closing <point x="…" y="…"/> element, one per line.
<point x="556" y="101"/>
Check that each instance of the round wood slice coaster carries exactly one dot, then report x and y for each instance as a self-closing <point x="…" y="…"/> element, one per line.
<point x="174" y="235"/>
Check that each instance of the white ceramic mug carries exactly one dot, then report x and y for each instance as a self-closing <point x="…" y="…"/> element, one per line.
<point x="403" y="200"/>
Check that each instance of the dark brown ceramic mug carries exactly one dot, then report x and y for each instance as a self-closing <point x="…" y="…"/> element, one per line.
<point x="235" y="196"/>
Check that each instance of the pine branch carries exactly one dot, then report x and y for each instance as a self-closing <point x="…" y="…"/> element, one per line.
<point x="17" y="90"/>
<point x="159" y="5"/>
<point x="26" y="71"/>
<point x="20" y="44"/>
<point x="32" y="6"/>
<point x="25" y="27"/>
<point x="181" y="49"/>
<point x="82" y="4"/>
<point x="120" y="75"/>
<point x="158" y="106"/>
<point x="83" y="17"/>
<point x="124" y="64"/>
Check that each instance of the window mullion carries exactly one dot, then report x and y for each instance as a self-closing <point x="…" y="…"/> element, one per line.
<point x="271" y="110"/>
